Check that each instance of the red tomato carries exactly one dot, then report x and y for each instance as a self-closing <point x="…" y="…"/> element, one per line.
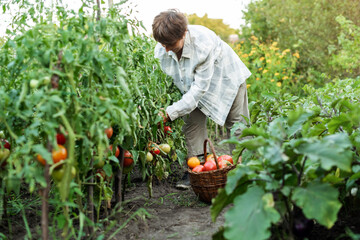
<point x="224" y="163"/>
<point x="226" y="157"/>
<point x="154" y="148"/>
<point x="100" y="173"/>
<point x="60" y="139"/>
<point x="167" y="130"/>
<point x="155" y="151"/>
<point x="209" y="166"/>
<point x="117" y="152"/>
<point x="198" y="168"/>
<point x="5" y="143"/>
<point x="58" y="154"/>
<point x="128" y="159"/>
<point x="109" y="132"/>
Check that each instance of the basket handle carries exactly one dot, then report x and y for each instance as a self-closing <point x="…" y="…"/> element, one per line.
<point x="213" y="151"/>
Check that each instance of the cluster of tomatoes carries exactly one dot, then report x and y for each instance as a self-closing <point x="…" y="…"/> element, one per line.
<point x="59" y="154"/>
<point x="99" y="163"/>
<point x="210" y="164"/>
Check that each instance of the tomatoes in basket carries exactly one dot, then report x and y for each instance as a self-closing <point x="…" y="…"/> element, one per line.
<point x="198" y="168"/>
<point x="193" y="162"/>
<point x="210" y="166"/>
<point x="226" y="158"/>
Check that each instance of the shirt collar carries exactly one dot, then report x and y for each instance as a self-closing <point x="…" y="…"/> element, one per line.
<point x="187" y="49"/>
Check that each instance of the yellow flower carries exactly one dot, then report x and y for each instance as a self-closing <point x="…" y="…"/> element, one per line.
<point x="277" y="74"/>
<point x="260" y="69"/>
<point x="245" y="55"/>
<point x="262" y="59"/>
<point x="274" y="44"/>
<point x="272" y="80"/>
<point x="297" y="55"/>
<point x="254" y="38"/>
<point x="278" y="84"/>
<point x="285" y="77"/>
<point x="248" y="85"/>
<point x="265" y="71"/>
<point x="257" y="79"/>
<point x="277" y="54"/>
<point x="242" y="42"/>
<point x="268" y="61"/>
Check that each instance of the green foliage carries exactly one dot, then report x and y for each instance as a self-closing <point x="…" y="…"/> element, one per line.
<point x="70" y="72"/>
<point x="307" y="26"/>
<point x="217" y="25"/>
<point x="346" y="57"/>
<point x="299" y="154"/>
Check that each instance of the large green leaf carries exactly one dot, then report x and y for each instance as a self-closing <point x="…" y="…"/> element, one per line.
<point x="251" y="216"/>
<point x="319" y="201"/>
<point x="332" y="150"/>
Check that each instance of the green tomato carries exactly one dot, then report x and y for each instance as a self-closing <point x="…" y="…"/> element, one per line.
<point x="2" y="135"/>
<point x="149" y="157"/>
<point x="34" y="83"/>
<point x="4" y="154"/>
<point x="46" y="80"/>
<point x="58" y="174"/>
<point x="99" y="163"/>
<point x="165" y="148"/>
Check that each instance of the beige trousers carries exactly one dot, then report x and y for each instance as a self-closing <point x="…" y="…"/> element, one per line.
<point x="195" y="129"/>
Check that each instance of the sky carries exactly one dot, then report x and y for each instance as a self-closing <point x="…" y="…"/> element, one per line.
<point x="145" y="10"/>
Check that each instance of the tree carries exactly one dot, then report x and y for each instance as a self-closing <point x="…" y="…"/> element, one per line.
<point x="217" y="25"/>
<point x="308" y="26"/>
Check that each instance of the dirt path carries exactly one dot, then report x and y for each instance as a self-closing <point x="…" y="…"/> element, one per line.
<point x="174" y="214"/>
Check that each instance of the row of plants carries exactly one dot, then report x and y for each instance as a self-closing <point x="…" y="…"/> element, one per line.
<point x="300" y="164"/>
<point x="80" y="97"/>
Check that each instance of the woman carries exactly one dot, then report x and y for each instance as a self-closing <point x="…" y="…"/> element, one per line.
<point x="208" y="73"/>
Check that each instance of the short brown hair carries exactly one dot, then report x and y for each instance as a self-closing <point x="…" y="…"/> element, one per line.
<point x="169" y="26"/>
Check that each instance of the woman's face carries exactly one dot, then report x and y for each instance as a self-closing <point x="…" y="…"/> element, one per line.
<point x="176" y="47"/>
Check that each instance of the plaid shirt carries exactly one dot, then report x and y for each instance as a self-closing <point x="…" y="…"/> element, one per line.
<point x="208" y="74"/>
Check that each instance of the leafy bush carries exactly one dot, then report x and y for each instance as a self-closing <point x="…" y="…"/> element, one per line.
<point x="273" y="69"/>
<point x="306" y="26"/>
<point x="299" y="164"/>
<point x="346" y="58"/>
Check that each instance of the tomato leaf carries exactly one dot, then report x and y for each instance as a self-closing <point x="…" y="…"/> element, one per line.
<point x="319" y="201"/>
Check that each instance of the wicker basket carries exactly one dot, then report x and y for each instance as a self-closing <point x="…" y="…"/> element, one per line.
<point x="206" y="184"/>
